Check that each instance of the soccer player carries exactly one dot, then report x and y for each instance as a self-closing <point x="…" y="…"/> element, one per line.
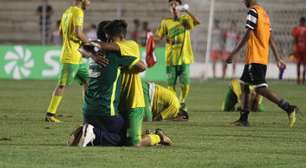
<point x="232" y="98"/>
<point x="103" y="124"/>
<point x="179" y="55"/>
<point x="132" y="101"/>
<point x="71" y="29"/>
<point x="258" y="38"/>
<point x="299" y="43"/>
<point x="161" y="103"/>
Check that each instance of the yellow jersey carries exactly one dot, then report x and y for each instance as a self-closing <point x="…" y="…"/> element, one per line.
<point x="165" y="103"/>
<point x="178" y="42"/>
<point x="258" y="45"/>
<point x="73" y="17"/>
<point x="132" y="91"/>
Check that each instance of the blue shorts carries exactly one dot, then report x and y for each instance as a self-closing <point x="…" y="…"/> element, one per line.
<point x="108" y="130"/>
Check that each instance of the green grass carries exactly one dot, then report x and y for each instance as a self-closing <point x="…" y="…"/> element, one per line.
<point x="207" y="140"/>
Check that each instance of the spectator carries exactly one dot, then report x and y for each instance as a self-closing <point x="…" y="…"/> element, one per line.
<point x="92" y="32"/>
<point x="56" y="36"/>
<point x="299" y="49"/>
<point x="232" y="38"/>
<point x="135" y="34"/>
<point x="45" y="11"/>
<point x="216" y="45"/>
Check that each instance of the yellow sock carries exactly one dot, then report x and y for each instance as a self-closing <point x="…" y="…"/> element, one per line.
<point x="55" y="101"/>
<point x="155" y="139"/>
<point x="184" y="93"/>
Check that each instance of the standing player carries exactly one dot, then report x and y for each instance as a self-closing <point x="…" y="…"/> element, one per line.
<point x="258" y="38"/>
<point x="299" y="45"/>
<point x="71" y="29"/>
<point x="179" y="53"/>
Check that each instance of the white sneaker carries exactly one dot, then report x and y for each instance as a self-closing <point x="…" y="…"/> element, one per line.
<point x="88" y="135"/>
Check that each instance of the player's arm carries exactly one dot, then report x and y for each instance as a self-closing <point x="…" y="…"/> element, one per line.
<point x="132" y="63"/>
<point x="109" y="47"/>
<point x="196" y="20"/>
<point x="78" y="18"/>
<point x="160" y="31"/>
<point x="80" y="34"/>
<point x="279" y="61"/>
<point x="251" y="24"/>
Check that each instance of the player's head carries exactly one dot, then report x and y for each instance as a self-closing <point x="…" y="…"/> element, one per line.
<point x="249" y="3"/>
<point x="101" y="32"/>
<point x="117" y="29"/>
<point x="84" y="3"/>
<point x="302" y="21"/>
<point x="173" y="4"/>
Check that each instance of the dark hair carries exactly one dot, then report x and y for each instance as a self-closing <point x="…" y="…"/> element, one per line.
<point x="117" y="28"/>
<point x="179" y="1"/>
<point x="302" y="19"/>
<point x="101" y="31"/>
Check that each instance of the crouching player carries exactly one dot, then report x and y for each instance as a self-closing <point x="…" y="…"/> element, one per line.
<point x="232" y="98"/>
<point x="161" y="104"/>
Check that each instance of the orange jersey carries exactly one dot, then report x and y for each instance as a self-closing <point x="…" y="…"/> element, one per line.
<point x="299" y="34"/>
<point x="258" y="44"/>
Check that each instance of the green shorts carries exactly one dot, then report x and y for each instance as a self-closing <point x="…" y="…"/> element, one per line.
<point x="134" y="118"/>
<point x="69" y="72"/>
<point x="178" y="71"/>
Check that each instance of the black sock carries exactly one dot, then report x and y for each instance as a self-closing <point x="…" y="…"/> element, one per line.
<point x="283" y="104"/>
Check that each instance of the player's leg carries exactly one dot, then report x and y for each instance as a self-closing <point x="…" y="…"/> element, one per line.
<point x="68" y="72"/>
<point x="83" y="76"/>
<point x="245" y="80"/>
<point x="258" y="75"/>
<point x="304" y="68"/>
<point x="107" y="130"/>
<point x="172" y="77"/>
<point x="185" y="85"/>
<point x="213" y="59"/>
<point x="298" y="68"/>
<point x="171" y="103"/>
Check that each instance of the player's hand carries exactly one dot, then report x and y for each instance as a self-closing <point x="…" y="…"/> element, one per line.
<point x="281" y="64"/>
<point x="229" y="60"/>
<point x="101" y="60"/>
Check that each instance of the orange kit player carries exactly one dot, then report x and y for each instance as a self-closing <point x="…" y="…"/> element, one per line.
<point x="299" y="49"/>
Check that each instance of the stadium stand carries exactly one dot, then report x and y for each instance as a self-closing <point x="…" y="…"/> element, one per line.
<point x="19" y="23"/>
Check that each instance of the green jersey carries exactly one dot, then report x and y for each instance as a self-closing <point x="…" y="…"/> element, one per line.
<point x="103" y="93"/>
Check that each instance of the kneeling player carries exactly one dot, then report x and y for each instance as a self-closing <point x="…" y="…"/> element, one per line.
<point x="232" y="98"/>
<point x="103" y="125"/>
<point x="161" y="104"/>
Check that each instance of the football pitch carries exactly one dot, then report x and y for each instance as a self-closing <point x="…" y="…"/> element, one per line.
<point x="207" y="140"/>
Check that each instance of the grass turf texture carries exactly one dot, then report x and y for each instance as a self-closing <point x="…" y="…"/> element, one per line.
<point x="207" y="140"/>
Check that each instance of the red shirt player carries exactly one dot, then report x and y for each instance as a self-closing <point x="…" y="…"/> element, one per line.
<point x="299" y="48"/>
